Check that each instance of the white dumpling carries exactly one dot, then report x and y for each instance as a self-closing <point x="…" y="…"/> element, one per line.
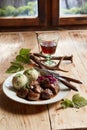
<point x="32" y="74"/>
<point x="19" y="81"/>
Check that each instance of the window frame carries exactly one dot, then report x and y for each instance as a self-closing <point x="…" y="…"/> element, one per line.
<point x="48" y="18"/>
<point x="77" y="20"/>
<point x="40" y="20"/>
<point x="65" y="21"/>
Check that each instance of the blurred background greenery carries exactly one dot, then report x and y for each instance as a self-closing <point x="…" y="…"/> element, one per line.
<point x="73" y="7"/>
<point x="77" y="10"/>
<point x="20" y="8"/>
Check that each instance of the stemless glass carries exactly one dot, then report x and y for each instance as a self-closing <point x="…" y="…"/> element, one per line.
<point x="48" y="43"/>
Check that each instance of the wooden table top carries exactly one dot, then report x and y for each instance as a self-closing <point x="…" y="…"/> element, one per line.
<point x="17" y="116"/>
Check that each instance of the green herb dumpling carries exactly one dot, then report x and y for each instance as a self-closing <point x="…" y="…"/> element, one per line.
<point x="19" y="81"/>
<point x="32" y="74"/>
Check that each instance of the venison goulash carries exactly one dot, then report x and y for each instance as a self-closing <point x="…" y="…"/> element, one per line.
<point x="34" y="86"/>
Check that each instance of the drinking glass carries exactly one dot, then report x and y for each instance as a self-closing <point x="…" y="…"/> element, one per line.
<point x="48" y="43"/>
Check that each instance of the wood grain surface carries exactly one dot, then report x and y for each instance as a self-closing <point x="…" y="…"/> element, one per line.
<point x="16" y="116"/>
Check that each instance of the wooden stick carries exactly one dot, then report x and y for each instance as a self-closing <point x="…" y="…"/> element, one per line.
<point x="55" y="57"/>
<point x="68" y="84"/>
<point x="41" y="65"/>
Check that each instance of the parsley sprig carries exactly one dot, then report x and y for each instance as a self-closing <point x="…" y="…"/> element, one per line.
<point x="22" y="58"/>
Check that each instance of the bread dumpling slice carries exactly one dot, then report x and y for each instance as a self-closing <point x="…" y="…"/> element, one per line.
<point x="19" y="81"/>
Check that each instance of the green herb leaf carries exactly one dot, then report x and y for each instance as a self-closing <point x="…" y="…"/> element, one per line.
<point x="14" y="68"/>
<point x="24" y="51"/>
<point x="28" y="85"/>
<point x="67" y="103"/>
<point x="79" y="101"/>
<point x="22" y="58"/>
<point x="76" y="102"/>
<point x="15" y="63"/>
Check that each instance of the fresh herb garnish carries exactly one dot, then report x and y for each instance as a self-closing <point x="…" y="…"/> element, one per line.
<point x="76" y="102"/>
<point x="14" y="67"/>
<point x="22" y="58"/>
<point x="79" y="101"/>
<point x="67" y="103"/>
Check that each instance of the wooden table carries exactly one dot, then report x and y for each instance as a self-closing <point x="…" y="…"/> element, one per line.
<point x="16" y="116"/>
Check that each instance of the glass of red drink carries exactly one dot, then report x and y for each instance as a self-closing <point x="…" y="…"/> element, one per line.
<point x="48" y="43"/>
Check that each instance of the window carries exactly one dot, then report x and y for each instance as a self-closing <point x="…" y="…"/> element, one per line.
<point x="73" y="8"/>
<point x="73" y="12"/>
<point x="23" y="13"/>
<point x="42" y="13"/>
<point x="19" y="8"/>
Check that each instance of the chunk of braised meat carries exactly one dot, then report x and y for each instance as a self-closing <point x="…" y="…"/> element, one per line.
<point x="35" y="86"/>
<point x="54" y="87"/>
<point x="34" y="83"/>
<point x="33" y="96"/>
<point x="46" y="94"/>
<point x="44" y="83"/>
<point x="23" y="92"/>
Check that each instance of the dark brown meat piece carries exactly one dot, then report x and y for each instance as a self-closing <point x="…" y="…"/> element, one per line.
<point x="54" y="87"/>
<point x="46" y="94"/>
<point x="23" y="92"/>
<point x="46" y="84"/>
<point x="34" y="83"/>
<point x="33" y="96"/>
<point x="35" y="86"/>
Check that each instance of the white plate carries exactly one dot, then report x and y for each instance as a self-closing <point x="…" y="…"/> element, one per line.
<point x="10" y="92"/>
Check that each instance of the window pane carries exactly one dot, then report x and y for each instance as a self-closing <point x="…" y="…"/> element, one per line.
<point x="73" y="8"/>
<point x="19" y="8"/>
